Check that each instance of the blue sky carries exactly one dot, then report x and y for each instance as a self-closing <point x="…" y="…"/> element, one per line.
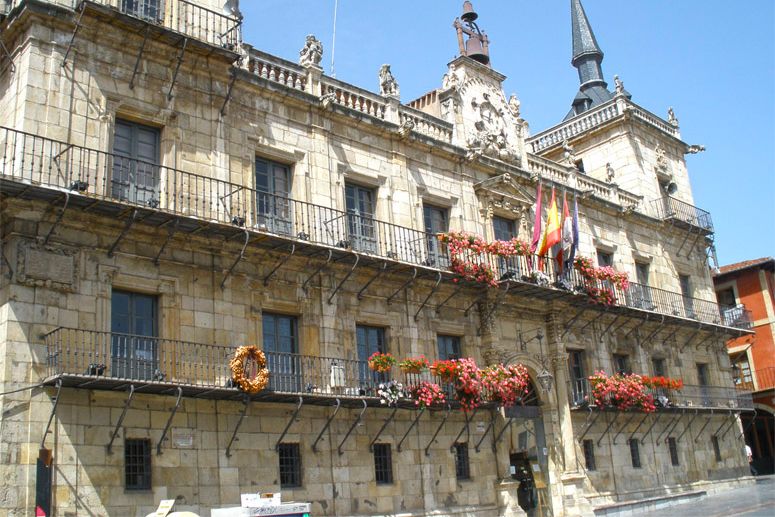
<point x="713" y="61"/>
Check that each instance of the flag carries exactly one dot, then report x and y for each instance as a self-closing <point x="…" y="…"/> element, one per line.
<point x="575" y="232"/>
<point x="536" y="222"/>
<point x="552" y="231"/>
<point x="567" y="234"/>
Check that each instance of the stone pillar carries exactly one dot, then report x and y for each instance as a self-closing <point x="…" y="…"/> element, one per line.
<point x="314" y="85"/>
<point x="391" y="113"/>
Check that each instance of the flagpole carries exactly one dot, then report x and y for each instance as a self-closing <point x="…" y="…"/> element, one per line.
<point x="333" y="42"/>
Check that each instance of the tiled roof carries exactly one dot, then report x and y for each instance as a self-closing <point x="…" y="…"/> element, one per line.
<point x="738" y="266"/>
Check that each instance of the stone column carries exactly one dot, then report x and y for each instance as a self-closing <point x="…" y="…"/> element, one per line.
<point x="314" y="85"/>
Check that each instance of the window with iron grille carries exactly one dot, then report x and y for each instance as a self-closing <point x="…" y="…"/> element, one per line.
<point x="589" y="454"/>
<point x="290" y="465"/>
<point x="383" y="464"/>
<point x="635" y="453"/>
<point x="716" y="448"/>
<point x="671" y="443"/>
<point x="462" y="465"/>
<point x="137" y="464"/>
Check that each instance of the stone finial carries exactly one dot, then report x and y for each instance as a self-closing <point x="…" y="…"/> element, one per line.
<point x="312" y="53"/>
<point x="514" y="105"/>
<point x="568" y="153"/>
<point x="619" y="85"/>
<point x="671" y="117"/>
<point x="388" y="86"/>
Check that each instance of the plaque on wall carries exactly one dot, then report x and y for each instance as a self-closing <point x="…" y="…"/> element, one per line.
<point x="44" y="266"/>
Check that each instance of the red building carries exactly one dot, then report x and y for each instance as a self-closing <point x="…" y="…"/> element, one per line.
<point x="750" y="285"/>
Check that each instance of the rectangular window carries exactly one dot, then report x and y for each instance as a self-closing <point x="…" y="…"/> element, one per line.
<point x="449" y="347"/>
<point x="369" y="340"/>
<point x="462" y="465"/>
<point x="634" y="453"/>
<point x="716" y="448"/>
<point x="360" y="203"/>
<point x="150" y="10"/>
<point x="672" y="445"/>
<point x="578" y="376"/>
<point x="506" y="230"/>
<point x="135" y="173"/>
<point x="290" y="465"/>
<point x="137" y="464"/>
<point x="726" y="297"/>
<point x="435" y="220"/>
<point x="589" y="454"/>
<point x="281" y="346"/>
<point x="273" y="206"/>
<point x="605" y="258"/>
<point x="383" y="464"/>
<point x="622" y="364"/>
<point x="686" y="295"/>
<point x="742" y="371"/>
<point x="658" y="366"/>
<point x="639" y="293"/>
<point x="134" y="336"/>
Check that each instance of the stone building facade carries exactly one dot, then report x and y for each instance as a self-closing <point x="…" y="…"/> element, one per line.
<point x="170" y="193"/>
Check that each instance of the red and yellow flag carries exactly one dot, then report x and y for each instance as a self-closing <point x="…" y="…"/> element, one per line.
<point x="553" y="231"/>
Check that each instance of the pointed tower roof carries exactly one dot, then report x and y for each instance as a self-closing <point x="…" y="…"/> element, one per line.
<point x="587" y="57"/>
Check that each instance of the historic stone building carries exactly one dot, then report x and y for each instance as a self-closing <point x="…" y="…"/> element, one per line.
<point x="168" y="193"/>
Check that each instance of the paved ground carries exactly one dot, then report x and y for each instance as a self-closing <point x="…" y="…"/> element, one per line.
<point x="756" y="500"/>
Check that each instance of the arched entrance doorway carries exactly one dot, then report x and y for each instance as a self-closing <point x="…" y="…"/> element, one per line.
<point x="759" y="435"/>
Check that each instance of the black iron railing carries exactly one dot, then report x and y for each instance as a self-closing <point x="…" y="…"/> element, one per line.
<point x="670" y="208"/>
<point x="31" y="160"/>
<point x="690" y="396"/>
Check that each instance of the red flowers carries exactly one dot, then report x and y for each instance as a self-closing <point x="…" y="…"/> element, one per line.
<point x="590" y="272"/>
<point x="506" y="384"/>
<point x="380" y="362"/>
<point x="427" y="394"/>
<point x="470" y="254"/>
<point x="663" y="382"/>
<point x="621" y="391"/>
<point x="414" y="364"/>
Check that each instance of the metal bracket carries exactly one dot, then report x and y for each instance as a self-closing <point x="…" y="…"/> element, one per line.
<point x="8" y="56"/>
<point x="438" y="430"/>
<point x="317" y="271"/>
<point x="464" y="428"/>
<point x="675" y="424"/>
<point x="498" y="437"/>
<point x="53" y="412"/>
<point x="688" y="425"/>
<point x="636" y="329"/>
<point x="384" y="425"/>
<point x="169" y="421"/>
<point x="425" y="302"/>
<point x="448" y="298"/>
<point x="58" y="219"/>
<point x="731" y="425"/>
<point x="127" y="225"/>
<point x="689" y="341"/>
<point x="288" y="425"/>
<point x="237" y="260"/>
<point x="656" y="331"/>
<point x="589" y="426"/>
<point x="139" y="57"/>
<point x="405" y="286"/>
<point x="667" y="429"/>
<point x="325" y="427"/>
<point x="632" y="415"/>
<point x="372" y="279"/>
<point x="570" y="323"/>
<point x="697" y="438"/>
<point x="722" y="426"/>
<point x="279" y="265"/>
<point x="468" y="309"/>
<point x="745" y="429"/>
<point x="592" y="321"/>
<point x="177" y="68"/>
<point x="495" y="304"/>
<point x="608" y="427"/>
<point x="611" y="324"/>
<point x="341" y="283"/>
<point x="121" y="418"/>
<point x="491" y="425"/>
<point x="246" y="403"/>
<point x="638" y="426"/>
<point x="656" y="419"/>
<point x="228" y="91"/>
<point x="414" y="423"/>
<point x="75" y="31"/>
<point x="352" y="427"/>
<point x="170" y="232"/>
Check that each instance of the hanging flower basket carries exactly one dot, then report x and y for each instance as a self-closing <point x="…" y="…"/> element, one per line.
<point x="249" y="358"/>
<point x="427" y="394"/>
<point x="381" y="363"/>
<point x="622" y="392"/>
<point x="506" y="385"/>
<point x="414" y="364"/>
<point x="390" y="393"/>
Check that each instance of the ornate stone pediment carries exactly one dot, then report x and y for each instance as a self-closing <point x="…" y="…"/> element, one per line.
<point x="503" y="193"/>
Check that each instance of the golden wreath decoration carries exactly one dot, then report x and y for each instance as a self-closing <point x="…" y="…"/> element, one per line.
<point x="237" y="365"/>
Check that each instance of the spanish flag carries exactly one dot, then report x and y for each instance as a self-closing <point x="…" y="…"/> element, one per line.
<point x="553" y="231"/>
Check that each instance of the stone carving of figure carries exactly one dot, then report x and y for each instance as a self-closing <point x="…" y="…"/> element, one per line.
<point x="671" y="117"/>
<point x="450" y="80"/>
<point x="661" y="157"/>
<point x="610" y="174"/>
<point x="568" y="153"/>
<point x="387" y="83"/>
<point x="619" y="85"/>
<point x="312" y="53"/>
<point x="514" y="105"/>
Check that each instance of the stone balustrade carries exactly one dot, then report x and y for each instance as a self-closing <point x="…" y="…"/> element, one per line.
<point x="426" y="124"/>
<point x="277" y="70"/>
<point x="355" y="98"/>
<point x="577" y="125"/>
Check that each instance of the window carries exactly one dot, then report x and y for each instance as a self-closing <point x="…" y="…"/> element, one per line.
<point x="577" y="375"/>
<point x="589" y="454"/>
<point x="281" y="346"/>
<point x="462" y="465"/>
<point x="505" y="230"/>
<point x="435" y="220"/>
<point x="686" y="294"/>
<point x="622" y="364"/>
<point x="742" y="371"/>
<point x="671" y="444"/>
<point x="273" y="186"/>
<point x="360" y="203"/>
<point x="134" y="337"/>
<point x="150" y="10"/>
<point x="702" y="374"/>
<point x="634" y="453"/>
<point x="369" y="340"/>
<point x="716" y="448"/>
<point x="726" y="297"/>
<point x="135" y="173"/>
<point x="658" y="366"/>
<point x="604" y="258"/>
<point x="580" y="166"/>
<point x="449" y="347"/>
<point x="640" y="292"/>
<point x="290" y="465"/>
<point x="383" y="464"/>
<point x="137" y="464"/>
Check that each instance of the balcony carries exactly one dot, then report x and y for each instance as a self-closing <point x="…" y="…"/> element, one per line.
<point x="765" y="380"/>
<point x="683" y="214"/>
<point x="690" y="397"/>
<point x="122" y="188"/>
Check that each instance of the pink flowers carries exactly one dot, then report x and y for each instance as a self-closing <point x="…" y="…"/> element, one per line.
<point x="470" y="255"/>
<point x="621" y="391"/>
<point x="427" y="394"/>
<point x="590" y="272"/>
<point x="506" y="384"/>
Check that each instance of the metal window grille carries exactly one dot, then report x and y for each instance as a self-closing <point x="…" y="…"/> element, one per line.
<point x="671" y="443"/>
<point x="716" y="448"/>
<point x="290" y="465"/>
<point x="137" y="464"/>
<point x="462" y="465"/>
<point x="589" y="454"/>
<point x="383" y="464"/>
<point x="635" y="453"/>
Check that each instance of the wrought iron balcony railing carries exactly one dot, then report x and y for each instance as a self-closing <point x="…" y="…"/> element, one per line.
<point x="671" y="209"/>
<point x="29" y="161"/>
<point x="689" y="397"/>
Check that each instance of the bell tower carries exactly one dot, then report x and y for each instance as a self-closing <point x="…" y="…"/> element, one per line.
<point x="477" y="45"/>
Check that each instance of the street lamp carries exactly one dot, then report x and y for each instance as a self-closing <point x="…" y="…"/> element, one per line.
<point x="545" y="378"/>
